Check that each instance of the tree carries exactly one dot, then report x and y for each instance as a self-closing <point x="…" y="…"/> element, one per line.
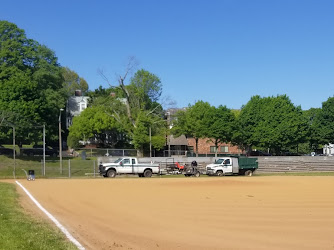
<point x="315" y="137"/>
<point x="93" y="122"/>
<point x="73" y="82"/>
<point x="220" y="126"/>
<point x="193" y="122"/>
<point x="273" y="123"/>
<point x="324" y="126"/>
<point x="141" y="107"/>
<point x="30" y="84"/>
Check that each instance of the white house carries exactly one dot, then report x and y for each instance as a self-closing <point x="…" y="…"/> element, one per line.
<point x="75" y="105"/>
<point x="328" y="149"/>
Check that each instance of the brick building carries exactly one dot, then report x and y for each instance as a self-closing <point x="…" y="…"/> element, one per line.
<point x="207" y="147"/>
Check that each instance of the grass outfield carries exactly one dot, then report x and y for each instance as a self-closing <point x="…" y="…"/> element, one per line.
<point x="21" y="231"/>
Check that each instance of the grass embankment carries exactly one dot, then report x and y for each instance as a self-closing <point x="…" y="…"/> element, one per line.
<point x="74" y="167"/>
<point x="21" y="231"/>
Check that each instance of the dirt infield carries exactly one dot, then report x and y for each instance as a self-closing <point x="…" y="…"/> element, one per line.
<point x="192" y="213"/>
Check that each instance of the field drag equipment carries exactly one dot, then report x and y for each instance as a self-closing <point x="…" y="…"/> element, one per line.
<point x="30" y="175"/>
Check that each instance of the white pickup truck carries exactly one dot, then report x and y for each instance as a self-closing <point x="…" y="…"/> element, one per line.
<point x="128" y="165"/>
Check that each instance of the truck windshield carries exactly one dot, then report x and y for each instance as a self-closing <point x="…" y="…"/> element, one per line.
<point x="219" y="161"/>
<point x="118" y="160"/>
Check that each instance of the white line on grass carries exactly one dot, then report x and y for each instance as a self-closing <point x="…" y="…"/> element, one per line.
<point x="51" y="217"/>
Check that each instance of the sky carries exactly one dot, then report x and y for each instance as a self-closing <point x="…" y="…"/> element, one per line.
<point x="222" y="52"/>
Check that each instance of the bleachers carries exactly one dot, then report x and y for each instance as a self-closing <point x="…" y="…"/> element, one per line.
<point x="270" y="164"/>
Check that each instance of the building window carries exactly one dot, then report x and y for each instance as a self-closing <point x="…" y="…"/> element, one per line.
<point x="224" y="149"/>
<point x="82" y="106"/>
<point x="213" y="149"/>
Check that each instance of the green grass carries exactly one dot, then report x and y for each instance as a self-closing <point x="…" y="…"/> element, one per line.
<point x="21" y="231"/>
<point x="52" y="169"/>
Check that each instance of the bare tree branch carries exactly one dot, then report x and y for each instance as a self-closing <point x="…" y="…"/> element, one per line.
<point x="104" y="77"/>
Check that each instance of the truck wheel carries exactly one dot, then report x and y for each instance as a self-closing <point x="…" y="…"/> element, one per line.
<point x="197" y="174"/>
<point x="219" y="173"/>
<point x="248" y="173"/>
<point x="147" y="173"/>
<point x="111" y="173"/>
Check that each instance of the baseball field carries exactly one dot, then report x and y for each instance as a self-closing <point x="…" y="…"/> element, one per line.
<point x="261" y="212"/>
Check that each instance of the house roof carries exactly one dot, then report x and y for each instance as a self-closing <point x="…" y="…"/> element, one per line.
<point x="181" y="140"/>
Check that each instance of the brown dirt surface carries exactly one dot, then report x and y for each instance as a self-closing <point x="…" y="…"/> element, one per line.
<point x="260" y="212"/>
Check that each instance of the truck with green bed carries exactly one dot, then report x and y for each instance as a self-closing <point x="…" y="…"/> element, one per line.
<point x="233" y="166"/>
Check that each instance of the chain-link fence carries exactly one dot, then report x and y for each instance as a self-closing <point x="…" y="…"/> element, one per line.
<point x="97" y="152"/>
<point x="72" y="168"/>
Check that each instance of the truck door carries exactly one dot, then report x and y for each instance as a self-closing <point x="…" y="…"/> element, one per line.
<point x="227" y="164"/>
<point x="134" y="166"/>
<point x="127" y="166"/>
<point x="235" y="165"/>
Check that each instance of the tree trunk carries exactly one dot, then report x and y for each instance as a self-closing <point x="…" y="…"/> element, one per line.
<point x="216" y="149"/>
<point x="196" y="140"/>
<point x="140" y="152"/>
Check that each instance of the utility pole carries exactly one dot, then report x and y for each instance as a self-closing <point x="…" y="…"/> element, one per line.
<point x="60" y="144"/>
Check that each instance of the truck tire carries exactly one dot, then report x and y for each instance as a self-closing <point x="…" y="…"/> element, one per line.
<point x="111" y="173"/>
<point x="197" y="174"/>
<point x="219" y="173"/>
<point x="147" y="173"/>
<point x="249" y="173"/>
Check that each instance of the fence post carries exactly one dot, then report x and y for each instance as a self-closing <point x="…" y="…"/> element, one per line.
<point x="69" y="168"/>
<point x="94" y="169"/>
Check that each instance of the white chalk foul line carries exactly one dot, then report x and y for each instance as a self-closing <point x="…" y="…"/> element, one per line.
<point x="60" y="226"/>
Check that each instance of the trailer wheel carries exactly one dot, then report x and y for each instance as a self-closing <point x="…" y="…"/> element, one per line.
<point x="111" y="173"/>
<point x="147" y="173"/>
<point x="197" y="174"/>
<point x="248" y="173"/>
<point x="219" y="173"/>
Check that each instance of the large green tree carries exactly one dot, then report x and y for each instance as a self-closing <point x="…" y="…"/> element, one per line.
<point x="95" y="123"/>
<point x="73" y="82"/>
<point x="30" y="84"/>
<point x="325" y="125"/>
<point x="193" y="122"/>
<point x="272" y="123"/>
<point x="220" y="126"/>
<point x="135" y="107"/>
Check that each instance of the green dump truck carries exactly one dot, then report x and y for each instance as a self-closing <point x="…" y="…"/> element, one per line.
<point x="232" y="166"/>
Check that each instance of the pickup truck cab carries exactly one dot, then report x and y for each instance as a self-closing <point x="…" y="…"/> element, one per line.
<point x="233" y="166"/>
<point x="128" y="165"/>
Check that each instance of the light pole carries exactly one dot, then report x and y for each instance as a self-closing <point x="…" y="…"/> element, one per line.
<point x="60" y="144"/>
